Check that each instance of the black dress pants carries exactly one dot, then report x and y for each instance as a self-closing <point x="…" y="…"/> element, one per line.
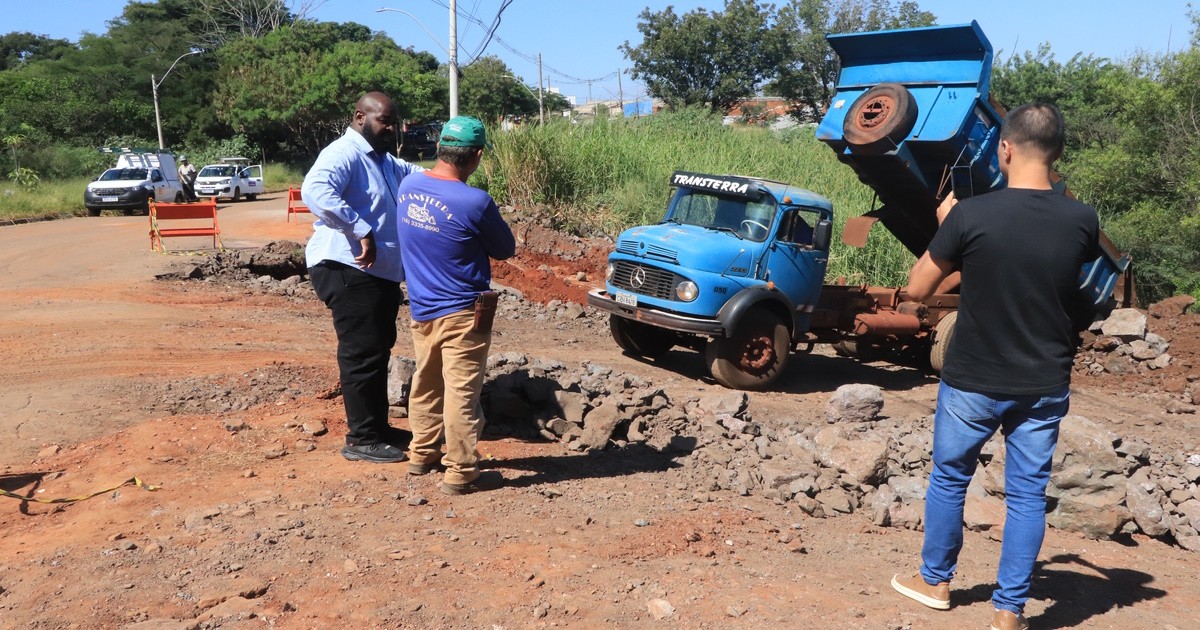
<point x="364" y="311"/>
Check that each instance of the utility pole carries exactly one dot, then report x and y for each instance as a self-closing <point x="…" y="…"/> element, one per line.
<point x="157" y="118"/>
<point x="454" y="58"/>
<point x="620" y="94"/>
<point x="541" y="109"/>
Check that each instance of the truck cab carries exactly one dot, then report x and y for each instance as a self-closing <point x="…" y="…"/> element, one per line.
<point x="230" y="179"/>
<point x="139" y="175"/>
<point x="734" y="269"/>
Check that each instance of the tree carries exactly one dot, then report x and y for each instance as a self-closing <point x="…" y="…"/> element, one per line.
<point x="703" y="58"/>
<point x="298" y="83"/>
<point x="489" y="91"/>
<point x="17" y="49"/>
<point x="808" y="74"/>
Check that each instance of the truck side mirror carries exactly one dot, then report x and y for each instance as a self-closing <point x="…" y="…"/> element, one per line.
<point x="823" y="234"/>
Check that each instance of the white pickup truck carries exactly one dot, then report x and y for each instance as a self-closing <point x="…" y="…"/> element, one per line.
<point x="232" y="178"/>
<point x="138" y="175"/>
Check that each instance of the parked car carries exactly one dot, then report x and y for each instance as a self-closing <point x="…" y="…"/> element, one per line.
<point x="419" y="142"/>
<point x="230" y="179"/>
<point x="139" y="175"/>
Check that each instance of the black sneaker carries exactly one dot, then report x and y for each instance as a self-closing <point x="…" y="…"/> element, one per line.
<point x="380" y="453"/>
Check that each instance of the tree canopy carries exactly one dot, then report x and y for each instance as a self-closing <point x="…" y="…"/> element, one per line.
<point x="707" y="58"/>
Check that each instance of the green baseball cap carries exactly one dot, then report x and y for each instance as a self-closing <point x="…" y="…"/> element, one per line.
<point x="464" y="131"/>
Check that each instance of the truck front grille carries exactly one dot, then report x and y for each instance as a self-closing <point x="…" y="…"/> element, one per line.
<point x="644" y="280"/>
<point x="635" y="248"/>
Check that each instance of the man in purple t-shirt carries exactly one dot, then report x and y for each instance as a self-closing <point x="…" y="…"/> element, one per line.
<point x="448" y="231"/>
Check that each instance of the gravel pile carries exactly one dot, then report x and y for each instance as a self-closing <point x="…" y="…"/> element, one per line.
<point x="852" y="459"/>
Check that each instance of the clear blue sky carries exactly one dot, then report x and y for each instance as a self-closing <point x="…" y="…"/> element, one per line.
<point x="578" y="39"/>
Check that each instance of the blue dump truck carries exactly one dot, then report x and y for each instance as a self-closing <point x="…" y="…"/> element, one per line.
<point x="736" y="268"/>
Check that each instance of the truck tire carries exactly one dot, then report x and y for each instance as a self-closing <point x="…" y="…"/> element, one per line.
<point x="179" y="198"/>
<point x="942" y="334"/>
<point x="251" y="196"/>
<point x="753" y="356"/>
<point x="237" y="194"/>
<point x="93" y="212"/>
<point x="880" y="119"/>
<point x="639" y="339"/>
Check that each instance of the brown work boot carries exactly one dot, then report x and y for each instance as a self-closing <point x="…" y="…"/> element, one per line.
<point x="423" y="469"/>
<point x="489" y="480"/>
<point x="914" y="587"/>
<point x="1006" y="620"/>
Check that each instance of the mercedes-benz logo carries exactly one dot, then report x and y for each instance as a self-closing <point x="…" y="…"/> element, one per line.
<point x="638" y="278"/>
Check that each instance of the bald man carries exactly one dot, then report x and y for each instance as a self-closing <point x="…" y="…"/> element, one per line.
<point x="353" y="258"/>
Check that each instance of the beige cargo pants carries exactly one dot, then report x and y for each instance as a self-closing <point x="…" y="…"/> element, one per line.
<point x="451" y="361"/>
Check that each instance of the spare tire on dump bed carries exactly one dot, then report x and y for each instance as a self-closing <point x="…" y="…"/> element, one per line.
<point x="880" y="119"/>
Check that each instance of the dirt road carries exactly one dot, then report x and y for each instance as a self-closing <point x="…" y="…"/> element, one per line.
<point x="215" y="393"/>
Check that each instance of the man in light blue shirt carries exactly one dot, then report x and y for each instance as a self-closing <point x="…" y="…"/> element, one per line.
<point x="354" y="263"/>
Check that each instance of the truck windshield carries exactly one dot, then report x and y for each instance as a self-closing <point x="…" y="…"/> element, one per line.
<point x="120" y="174"/>
<point x="746" y="218"/>
<point x="216" y="171"/>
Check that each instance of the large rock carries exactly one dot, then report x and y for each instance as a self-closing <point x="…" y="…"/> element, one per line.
<point x="1144" y="499"/>
<point x="571" y="405"/>
<point x="1126" y="323"/>
<point x="599" y="424"/>
<point x="727" y="403"/>
<point x="855" y="403"/>
<point x="399" y="383"/>
<point x="862" y="456"/>
<point x="982" y="511"/>
<point x="1087" y="481"/>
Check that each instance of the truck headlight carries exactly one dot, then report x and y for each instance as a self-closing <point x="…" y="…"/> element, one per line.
<point x="223" y="182"/>
<point x="608" y="272"/>
<point x="687" y="290"/>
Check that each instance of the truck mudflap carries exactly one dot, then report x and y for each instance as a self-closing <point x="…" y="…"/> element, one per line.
<point x="600" y="299"/>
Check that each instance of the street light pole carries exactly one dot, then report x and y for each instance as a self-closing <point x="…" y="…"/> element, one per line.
<point x="453" y="59"/>
<point x="154" y="83"/>
<point x="451" y="53"/>
<point x="537" y="95"/>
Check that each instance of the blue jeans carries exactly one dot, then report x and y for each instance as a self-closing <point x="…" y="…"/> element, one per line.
<point x="963" y="423"/>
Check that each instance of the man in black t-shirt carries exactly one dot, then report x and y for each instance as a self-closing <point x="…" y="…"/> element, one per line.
<point x="1008" y="366"/>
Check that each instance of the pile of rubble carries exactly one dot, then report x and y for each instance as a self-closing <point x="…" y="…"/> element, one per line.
<point x="276" y="268"/>
<point x="1122" y="345"/>
<point x="853" y="459"/>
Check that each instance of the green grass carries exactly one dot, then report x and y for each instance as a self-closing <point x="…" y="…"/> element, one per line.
<point x="50" y="198"/>
<point x="65" y="196"/>
<point x="612" y="175"/>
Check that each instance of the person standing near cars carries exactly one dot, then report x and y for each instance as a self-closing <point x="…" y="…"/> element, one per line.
<point x="187" y="178"/>
<point x="448" y="231"/>
<point x="1008" y="367"/>
<point x="354" y="263"/>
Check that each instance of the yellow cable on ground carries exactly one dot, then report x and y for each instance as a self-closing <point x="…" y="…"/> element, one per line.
<point x="131" y="481"/>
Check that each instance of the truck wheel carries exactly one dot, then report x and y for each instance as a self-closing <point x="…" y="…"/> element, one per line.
<point x="93" y="212"/>
<point x="251" y="196"/>
<point x="942" y="334"/>
<point x="237" y="194"/>
<point x="753" y="356"/>
<point x="179" y="197"/>
<point x="880" y="119"/>
<point x="639" y="339"/>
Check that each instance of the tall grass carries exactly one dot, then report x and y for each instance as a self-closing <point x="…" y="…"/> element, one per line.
<point x="613" y="174"/>
<point x="50" y="198"/>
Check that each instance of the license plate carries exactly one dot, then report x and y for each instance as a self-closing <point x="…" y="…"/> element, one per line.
<point x="108" y="199"/>
<point x="628" y="299"/>
<point x="206" y="191"/>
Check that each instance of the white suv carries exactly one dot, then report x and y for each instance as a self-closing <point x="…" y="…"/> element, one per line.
<point x="232" y="178"/>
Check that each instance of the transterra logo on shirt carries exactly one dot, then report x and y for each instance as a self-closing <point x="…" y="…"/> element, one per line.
<point x="418" y="212"/>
